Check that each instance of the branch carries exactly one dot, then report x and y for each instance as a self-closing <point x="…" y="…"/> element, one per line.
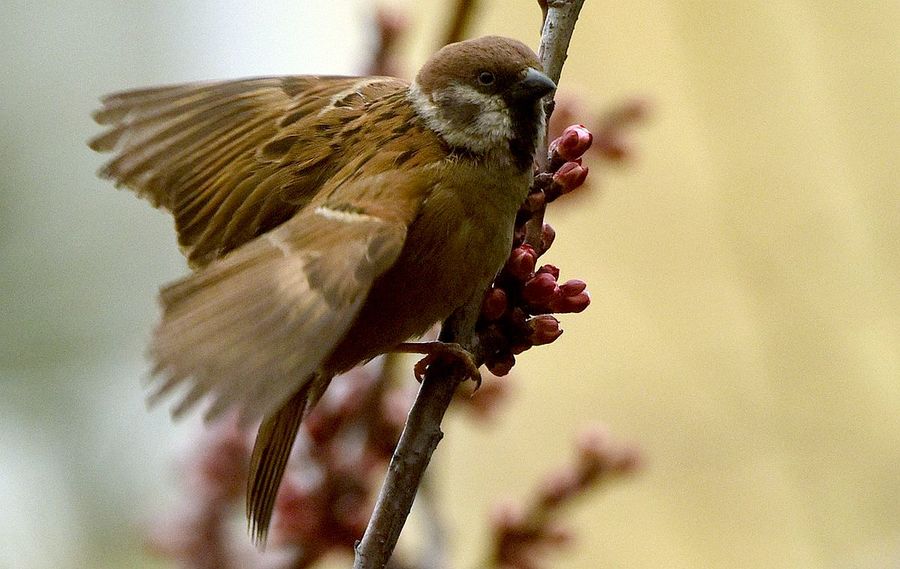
<point x="522" y="536"/>
<point x="422" y="432"/>
<point x="559" y="23"/>
<point x="560" y="17"/>
<point x="420" y="437"/>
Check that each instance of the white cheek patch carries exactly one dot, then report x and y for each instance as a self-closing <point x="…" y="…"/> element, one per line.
<point x="491" y="128"/>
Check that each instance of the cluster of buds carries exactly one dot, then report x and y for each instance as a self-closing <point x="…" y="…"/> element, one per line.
<point x="517" y="311"/>
<point x="522" y="536"/>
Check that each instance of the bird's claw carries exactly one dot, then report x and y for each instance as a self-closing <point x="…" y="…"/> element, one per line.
<point x="448" y="353"/>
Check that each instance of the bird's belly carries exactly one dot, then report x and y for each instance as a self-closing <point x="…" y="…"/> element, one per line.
<point x="437" y="272"/>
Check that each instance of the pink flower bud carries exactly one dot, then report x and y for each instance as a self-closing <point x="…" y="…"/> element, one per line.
<point x="575" y="303"/>
<point x="544" y="329"/>
<point x="522" y="261"/>
<point x="494" y="304"/>
<point x="570" y="176"/>
<point x="572" y="287"/>
<point x="502" y="366"/>
<point x="572" y="143"/>
<point x="548" y="234"/>
<point x="540" y="289"/>
<point x="549" y="269"/>
<point x="520" y="347"/>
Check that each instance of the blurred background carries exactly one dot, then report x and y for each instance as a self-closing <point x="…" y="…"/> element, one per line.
<point x="744" y="266"/>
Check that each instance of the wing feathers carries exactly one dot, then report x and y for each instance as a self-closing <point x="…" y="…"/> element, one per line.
<point x="288" y="224"/>
<point x="232" y="159"/>
<point x="249" y="327"/>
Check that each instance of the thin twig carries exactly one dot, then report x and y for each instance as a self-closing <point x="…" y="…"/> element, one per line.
<point x="559" y="24"/>
<point x="435" y="554"/>
<point x="560" y="17"/>
<point x="422" y="432"/>
<point x="420" y="437"/>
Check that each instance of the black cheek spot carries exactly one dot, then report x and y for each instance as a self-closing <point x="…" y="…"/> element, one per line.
<point x="464" y="113"/>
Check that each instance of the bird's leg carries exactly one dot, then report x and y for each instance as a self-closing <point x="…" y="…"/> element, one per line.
<point x="445" y="352"/>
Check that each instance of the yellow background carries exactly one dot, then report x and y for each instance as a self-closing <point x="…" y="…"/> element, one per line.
<point x="745" y="325"/>
<point x="745" y="276"/>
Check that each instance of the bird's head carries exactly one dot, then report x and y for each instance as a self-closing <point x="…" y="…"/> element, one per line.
<point x="484" y="96"/>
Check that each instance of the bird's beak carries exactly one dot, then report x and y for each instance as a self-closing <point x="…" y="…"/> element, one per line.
<point x="532" y="86"/>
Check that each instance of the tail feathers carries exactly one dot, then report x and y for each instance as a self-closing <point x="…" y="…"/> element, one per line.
<point x="271" y="451"/>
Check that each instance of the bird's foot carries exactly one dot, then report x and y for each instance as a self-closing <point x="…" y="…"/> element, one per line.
<point x="443" y="352"/>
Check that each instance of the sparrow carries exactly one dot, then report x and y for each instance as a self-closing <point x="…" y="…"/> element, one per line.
<point x="328" y="220"/>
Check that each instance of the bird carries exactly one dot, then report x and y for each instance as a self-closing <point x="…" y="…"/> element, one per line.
<point x="326" y="220"/>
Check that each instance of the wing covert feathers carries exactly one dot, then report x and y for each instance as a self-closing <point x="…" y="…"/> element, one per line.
<point x="249" y="328"/>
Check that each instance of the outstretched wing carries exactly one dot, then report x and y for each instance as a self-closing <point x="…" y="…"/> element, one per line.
<point x="250" y="329"/>
<point x="233" y="159"/>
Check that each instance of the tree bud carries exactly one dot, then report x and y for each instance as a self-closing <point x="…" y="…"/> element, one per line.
<point x="522" y="261"/>
<point x="572" y="143"/>
<point x="572" y="287"/>
<point x="544" y="329"/>
<point x="540" y="289"/>
<point x="549" y="269"/>
<point x="548" y="234"/>
<point x="575" y="303"/>
<point x="494" y="305"/>
<point x="502" y="365"/>
<point x="570" y="175"/>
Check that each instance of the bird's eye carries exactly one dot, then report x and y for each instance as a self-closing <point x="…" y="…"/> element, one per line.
<point x="486" y="78"/>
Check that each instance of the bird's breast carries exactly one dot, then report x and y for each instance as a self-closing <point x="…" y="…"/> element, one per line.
<point x="453" y="250"/>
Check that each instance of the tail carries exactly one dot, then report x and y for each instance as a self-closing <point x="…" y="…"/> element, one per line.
<point x="271" y="451"/>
